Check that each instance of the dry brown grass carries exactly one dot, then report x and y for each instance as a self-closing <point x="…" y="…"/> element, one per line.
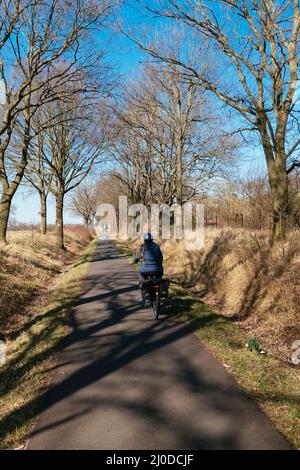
<point x="28" y="265"/>
<point x="31" y="348"/>
<point x="241" y="276"/>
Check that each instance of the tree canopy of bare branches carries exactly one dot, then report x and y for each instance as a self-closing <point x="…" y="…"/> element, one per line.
<point x="255" y="48"/>
<point x="70" y="148"/>
<point x="84" y="202"/>
<point x="168" y="143"/>
<point x="43" y="47"/>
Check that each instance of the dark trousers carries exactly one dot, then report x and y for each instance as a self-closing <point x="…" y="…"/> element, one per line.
<point x="143" y="276"/>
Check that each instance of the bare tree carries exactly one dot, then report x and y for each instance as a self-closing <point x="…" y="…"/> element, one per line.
<point x="109" y="189"/>
<point x="256" y="45"/>
<point x="169" y="144"/>
<point x="43" y="46"/>
<point x="294" y="190"/>
<point x="39" y="177"/>
<point x="72" y="147"/>
<point x="84" y="202"/>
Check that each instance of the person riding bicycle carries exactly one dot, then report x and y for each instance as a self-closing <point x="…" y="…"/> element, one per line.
<point x="150" y="256"/>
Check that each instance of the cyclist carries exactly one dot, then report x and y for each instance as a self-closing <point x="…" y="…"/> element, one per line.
<point x="150" y="256"/>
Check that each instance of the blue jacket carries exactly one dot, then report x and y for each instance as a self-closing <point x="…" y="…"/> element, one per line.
<point x="150" y="256"/>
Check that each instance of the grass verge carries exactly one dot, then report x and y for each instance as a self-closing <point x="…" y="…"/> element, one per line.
<point x="271" y="383"/>
<point x="31" y="355"/>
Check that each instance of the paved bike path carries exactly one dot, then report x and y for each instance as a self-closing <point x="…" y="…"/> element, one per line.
<point x="126" y="381"/>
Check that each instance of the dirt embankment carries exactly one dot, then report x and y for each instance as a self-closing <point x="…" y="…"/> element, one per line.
<point x="29" y="264"/>
<point x="240" y="276"/>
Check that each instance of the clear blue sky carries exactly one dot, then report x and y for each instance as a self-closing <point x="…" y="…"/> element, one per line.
<point x="126" y="58"/>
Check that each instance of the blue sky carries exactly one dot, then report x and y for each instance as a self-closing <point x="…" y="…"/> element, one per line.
<point x="125" y="56"/>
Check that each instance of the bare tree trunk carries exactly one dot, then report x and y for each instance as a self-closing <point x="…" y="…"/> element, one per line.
<point x="43" y="202"/>
<point x="279" y="191"/>
<point x="294" y="207"/>
<point x="278" y="179"/>
<point x="178" y="177"/>
<point x="59" y="198"/>
<point x="9" y="190"/>
<point x="180" y="144"/>
<point x="5" y="204"/>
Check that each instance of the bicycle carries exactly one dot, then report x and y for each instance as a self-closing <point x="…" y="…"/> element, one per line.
<point x="155" y="301"/>
<point x="153" y="290"/>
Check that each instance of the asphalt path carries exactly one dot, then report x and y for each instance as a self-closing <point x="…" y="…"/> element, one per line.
<point x="126" y="381"/>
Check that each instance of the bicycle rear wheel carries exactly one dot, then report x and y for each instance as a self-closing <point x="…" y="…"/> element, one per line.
<point x="155" y="307"/>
